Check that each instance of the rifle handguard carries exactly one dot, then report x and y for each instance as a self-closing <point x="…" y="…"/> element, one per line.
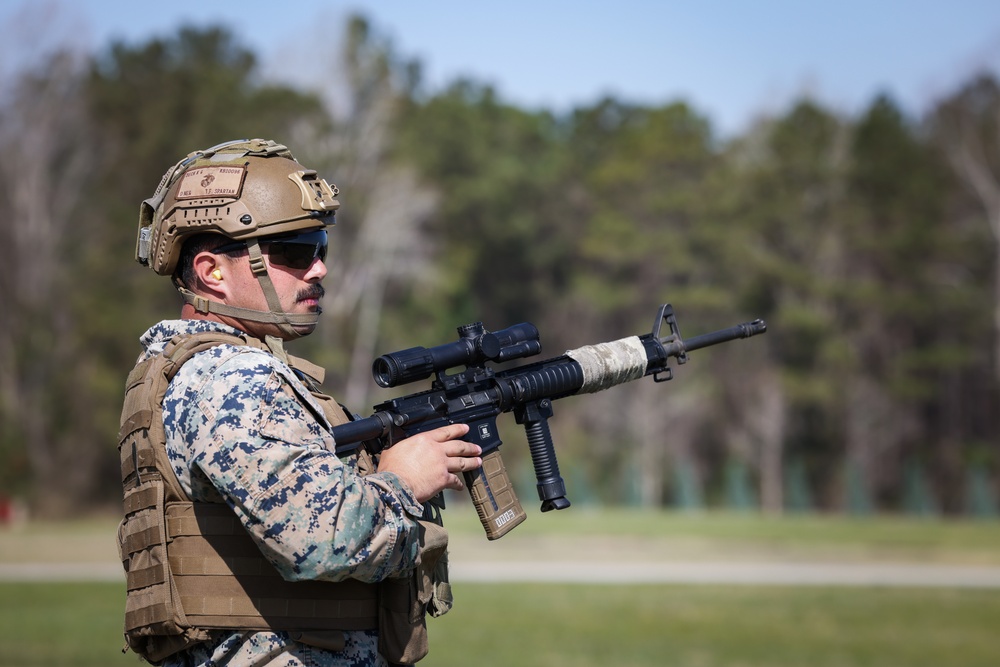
<point x="493" y="495"/>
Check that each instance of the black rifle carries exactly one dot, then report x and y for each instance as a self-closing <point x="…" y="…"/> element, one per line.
<point x="477" y="395"/>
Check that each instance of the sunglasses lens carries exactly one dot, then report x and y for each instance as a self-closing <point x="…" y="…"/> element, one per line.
<point x="298" y="252"/>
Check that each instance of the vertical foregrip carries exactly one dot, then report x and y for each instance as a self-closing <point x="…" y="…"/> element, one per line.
<point x="551" y="488"/>
<point x="493" y="495"/>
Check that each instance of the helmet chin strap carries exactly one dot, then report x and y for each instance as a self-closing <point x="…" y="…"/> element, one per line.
<point x="286" y="322"/>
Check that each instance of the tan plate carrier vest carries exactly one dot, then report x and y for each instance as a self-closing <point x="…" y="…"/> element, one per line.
<point x="191" y="567"/>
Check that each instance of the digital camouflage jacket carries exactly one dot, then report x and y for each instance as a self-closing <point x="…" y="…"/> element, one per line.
<point x="241" y="425"/>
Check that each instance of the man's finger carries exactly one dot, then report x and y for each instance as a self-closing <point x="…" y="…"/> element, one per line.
<point x="463" y="448"/>
<point x="450" y="432"/>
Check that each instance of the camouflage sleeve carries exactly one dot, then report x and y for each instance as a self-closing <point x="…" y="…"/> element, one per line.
<point x="258" y="439"/>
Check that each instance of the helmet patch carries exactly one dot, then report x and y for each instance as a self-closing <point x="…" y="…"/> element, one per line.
<point x="211" y="182"/>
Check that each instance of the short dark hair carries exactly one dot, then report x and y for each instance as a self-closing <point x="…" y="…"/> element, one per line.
<point x="184" y="273"/>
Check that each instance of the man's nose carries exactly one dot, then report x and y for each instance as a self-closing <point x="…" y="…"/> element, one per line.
<point x="317" y="271"/>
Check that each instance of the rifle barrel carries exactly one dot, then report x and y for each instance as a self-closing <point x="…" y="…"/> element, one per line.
<point x="745" y="330"/>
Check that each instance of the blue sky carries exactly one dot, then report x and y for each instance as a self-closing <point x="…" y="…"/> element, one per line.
<point x="731" y="60"/>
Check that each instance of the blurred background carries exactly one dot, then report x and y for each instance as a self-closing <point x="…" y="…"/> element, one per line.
<point x="834" y="170"/>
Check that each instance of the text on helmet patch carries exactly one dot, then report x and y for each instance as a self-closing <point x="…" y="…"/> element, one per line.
<point x="206" y="182"/>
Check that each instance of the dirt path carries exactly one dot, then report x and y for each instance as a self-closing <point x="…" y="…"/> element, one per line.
<point x="88" y="553"/>
<point x="754" y="573"/>
<point x="757" y="573"/>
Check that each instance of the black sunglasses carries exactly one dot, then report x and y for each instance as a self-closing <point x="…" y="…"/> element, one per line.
<point x="295" y="252"/>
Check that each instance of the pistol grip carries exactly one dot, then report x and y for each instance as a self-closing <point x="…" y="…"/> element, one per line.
<point x="493" y="495"/>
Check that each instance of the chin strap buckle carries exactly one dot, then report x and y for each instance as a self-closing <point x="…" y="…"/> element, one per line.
<point x="201" y="304"/>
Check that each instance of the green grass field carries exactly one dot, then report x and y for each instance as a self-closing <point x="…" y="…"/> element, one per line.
<point x="79" y="624"/>
<point x="75" y="624"/>
<point x="703" y="626"/>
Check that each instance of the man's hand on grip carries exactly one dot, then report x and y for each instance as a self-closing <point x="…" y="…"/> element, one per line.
<point x="432" y="461"/>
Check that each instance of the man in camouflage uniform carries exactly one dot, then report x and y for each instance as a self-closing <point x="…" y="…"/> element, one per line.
<point x="242" y="229"/>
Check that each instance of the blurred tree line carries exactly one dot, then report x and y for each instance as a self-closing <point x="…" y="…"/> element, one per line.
<point x="870" y="244"/>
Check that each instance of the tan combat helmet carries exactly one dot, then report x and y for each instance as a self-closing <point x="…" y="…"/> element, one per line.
<point x="244" y="190"/>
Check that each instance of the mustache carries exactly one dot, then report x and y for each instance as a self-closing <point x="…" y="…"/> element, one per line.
<point x="311" y="292"/>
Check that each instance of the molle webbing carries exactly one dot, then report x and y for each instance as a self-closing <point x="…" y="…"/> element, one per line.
<point x="222" y="581"/>
<point x="191" y="566"/>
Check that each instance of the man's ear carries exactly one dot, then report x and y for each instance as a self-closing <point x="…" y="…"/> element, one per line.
<point x="210" y="274"/>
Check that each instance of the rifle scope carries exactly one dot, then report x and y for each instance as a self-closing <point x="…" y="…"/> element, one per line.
<point x="475" y="345"/>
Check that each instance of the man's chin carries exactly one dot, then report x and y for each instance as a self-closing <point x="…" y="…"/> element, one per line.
<point x="303" y="329"/>
<point x="306" y="329"/>
<point x="290" y="331"/>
